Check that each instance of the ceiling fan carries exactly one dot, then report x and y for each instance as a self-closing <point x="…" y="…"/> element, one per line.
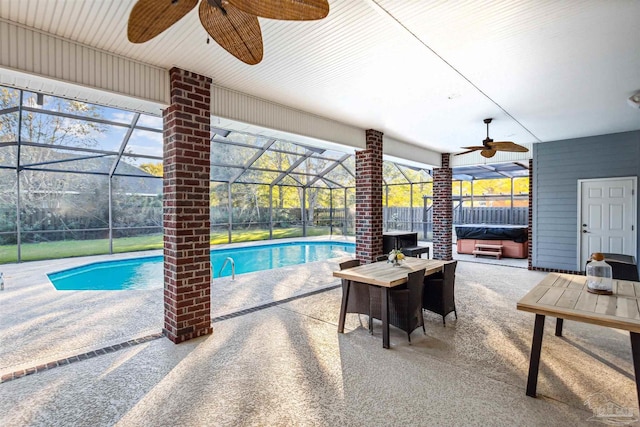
<point x="231" y="23"/>
<point x="489" y="147"/>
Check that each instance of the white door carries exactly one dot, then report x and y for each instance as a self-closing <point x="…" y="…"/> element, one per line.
<point x="607" y="217"/>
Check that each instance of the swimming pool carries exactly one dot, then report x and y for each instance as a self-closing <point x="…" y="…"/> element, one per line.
<point x="147" y="272"/>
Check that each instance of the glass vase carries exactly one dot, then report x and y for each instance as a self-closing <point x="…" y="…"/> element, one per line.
<point x="599" y="275"/>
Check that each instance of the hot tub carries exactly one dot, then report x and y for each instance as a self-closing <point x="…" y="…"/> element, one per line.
<point x="514" y="239"/>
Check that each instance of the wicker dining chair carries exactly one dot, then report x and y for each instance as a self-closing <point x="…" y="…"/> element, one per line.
<point x="439" y="292"/>
<point x="405" y="305"/>
<point x="358" y="292"/>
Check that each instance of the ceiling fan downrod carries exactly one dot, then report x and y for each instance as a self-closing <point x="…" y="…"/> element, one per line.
<point x="487" y="140"/>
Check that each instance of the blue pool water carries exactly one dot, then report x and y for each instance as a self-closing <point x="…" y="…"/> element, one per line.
<point x="147" y="272"/>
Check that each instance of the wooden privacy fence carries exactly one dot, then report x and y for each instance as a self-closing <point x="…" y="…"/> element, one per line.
<point x="489" y="215"/>
<point x="421" y="220"/>
<point x="479" y="215"/>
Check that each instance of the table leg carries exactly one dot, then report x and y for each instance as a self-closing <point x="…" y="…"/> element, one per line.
<point x="559" y="322"/>
<point x="385" y="317"/>
<point x="635" y="354"/>
<point x="534" y="361"/>
<point x="343" y="306"/>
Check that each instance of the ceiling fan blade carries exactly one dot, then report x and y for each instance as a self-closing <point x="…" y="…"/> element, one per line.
<point x="508" y="146"/>
<point x="465" y="152"/>
<point x="237" y="32"/>
<point x="488" y="153"/>
<point x="288" y="10"/>
<point x="148" y="18"/>
<point x="475" y="147"/>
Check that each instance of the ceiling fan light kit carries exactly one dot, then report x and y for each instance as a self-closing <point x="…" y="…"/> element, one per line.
<point x="489" y="147"/>
<point x="233" y="24"/>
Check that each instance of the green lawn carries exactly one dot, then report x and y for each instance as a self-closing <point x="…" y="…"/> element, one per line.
<point x="66" y="249"/>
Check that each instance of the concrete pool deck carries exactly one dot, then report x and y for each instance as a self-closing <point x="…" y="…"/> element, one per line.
<point x="287" y="365"/>
<point x="41" y="324"/>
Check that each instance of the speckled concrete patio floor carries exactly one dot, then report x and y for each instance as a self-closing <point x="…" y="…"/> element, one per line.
<point x="287" y="365"/>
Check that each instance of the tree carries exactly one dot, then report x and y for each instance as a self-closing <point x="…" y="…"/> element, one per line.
<point x="152" y="168"/>
<point x="311" y="167"/>
<point x="46" y="142"/>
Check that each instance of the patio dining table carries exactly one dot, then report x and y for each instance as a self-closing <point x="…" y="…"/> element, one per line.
<point x="383" y="276"/>
<point x="565" y="296"/>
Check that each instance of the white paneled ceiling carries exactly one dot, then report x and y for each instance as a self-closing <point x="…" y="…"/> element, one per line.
<point x="425" y="72"/>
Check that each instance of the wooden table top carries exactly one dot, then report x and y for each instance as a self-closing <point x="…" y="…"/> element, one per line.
<point x="566" y="296"/>
<point x="385" y="274"/>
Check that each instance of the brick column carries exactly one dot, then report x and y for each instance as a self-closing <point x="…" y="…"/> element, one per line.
<point x="187" y="268"/>
<point x="369" y="198"/>
<point x="442" y="211"/>
<point x="530" y="231"/>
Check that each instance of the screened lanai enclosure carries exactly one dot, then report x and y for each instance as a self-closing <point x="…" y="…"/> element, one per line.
<point x="80" y="179"/>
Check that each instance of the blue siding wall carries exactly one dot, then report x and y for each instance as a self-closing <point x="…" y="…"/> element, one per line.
<point x="557" y="167"/>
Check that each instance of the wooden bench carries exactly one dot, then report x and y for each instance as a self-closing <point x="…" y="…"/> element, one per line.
<point x="490" y="250"/>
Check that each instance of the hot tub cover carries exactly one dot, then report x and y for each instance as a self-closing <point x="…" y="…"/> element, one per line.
<point x="517" y="233"/>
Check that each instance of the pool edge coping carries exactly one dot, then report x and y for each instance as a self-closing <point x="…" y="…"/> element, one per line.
<point x="21" y="373"/>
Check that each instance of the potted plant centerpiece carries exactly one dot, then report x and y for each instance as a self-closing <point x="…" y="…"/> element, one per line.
<point x="396" y="256"/>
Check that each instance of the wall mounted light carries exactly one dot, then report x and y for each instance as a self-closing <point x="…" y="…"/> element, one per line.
<point x="634" y="100"/>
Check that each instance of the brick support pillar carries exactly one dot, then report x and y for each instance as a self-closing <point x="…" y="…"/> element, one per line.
<point x="442" y="211"/>
<point x="530" y="231"/>
<point x="187" y="268"/>
<point x="369" y="198"/>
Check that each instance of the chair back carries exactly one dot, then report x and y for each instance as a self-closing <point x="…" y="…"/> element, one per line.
<point x="623" y="267"/>
<point x="449" y="283"/>
<point x="358" y="293"/>
<point x="415" y="282"/>
<point x="349" y="264"/>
